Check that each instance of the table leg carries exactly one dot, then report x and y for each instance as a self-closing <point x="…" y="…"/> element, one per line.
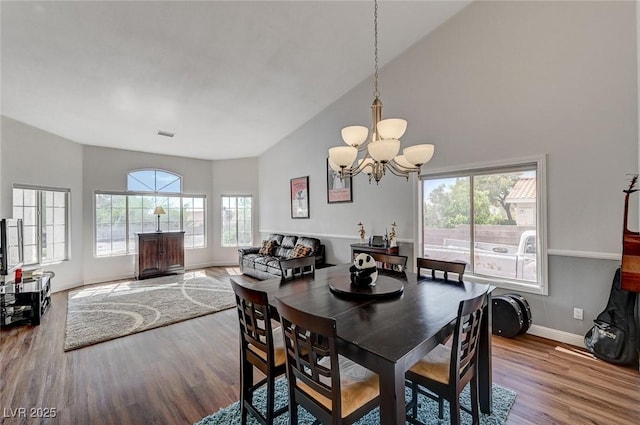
<point x="484" y="359"/>
<point x="392" y="403"/>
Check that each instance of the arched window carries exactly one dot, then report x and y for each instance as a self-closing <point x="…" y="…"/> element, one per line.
<point x="154" y="181"/>
<point x="119" y="216"/>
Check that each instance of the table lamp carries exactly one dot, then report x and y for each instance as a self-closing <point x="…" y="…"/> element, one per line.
<point x="159" y="211"/>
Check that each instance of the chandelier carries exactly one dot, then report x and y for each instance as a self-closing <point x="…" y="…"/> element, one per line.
<point x="381" y="144"/>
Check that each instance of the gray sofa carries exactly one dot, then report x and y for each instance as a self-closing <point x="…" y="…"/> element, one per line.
<point x="269" y="266"/>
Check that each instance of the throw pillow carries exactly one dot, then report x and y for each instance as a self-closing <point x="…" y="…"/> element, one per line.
<point x="301" y="251"/>
<point x="268" y="247"/>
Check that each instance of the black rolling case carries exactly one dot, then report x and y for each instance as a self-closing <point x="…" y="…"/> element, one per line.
<point x="511" y="315"/>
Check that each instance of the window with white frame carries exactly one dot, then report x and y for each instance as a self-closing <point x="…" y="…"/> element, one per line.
<point x="237" y="229"/>
<point x="44" y="214"/>
<point x="490" y="218"/>
<point x="120" y="215"/>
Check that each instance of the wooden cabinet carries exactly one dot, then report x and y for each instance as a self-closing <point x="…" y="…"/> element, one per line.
<point x="159" y="253"/>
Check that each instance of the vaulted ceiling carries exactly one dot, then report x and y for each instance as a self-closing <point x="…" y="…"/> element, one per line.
<point x="230" y="79"/>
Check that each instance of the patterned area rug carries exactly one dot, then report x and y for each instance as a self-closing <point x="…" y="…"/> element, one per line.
<point x="503" y="399"/>
<point x="103" y="312"/>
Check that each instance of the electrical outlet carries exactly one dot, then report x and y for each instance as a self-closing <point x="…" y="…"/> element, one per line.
<point x="577" y="313"/>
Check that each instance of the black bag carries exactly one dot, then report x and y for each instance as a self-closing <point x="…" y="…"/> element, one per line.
<point x="605" y="340"/>
<point x="613" y="338"/>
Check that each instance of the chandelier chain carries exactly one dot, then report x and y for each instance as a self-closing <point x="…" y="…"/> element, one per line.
<point x="381" y="156"/>
<point x="376" y="93"/>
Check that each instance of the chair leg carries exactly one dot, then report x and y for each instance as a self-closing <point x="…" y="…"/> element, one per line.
<point x="440" y="407"/>
<point x="293" y="413"/>
<point x="414" y="399"/>
<point x="475" y="406"/>
<point x="454" y="410"/>
<point x="270" y="399"/>
<point x="246" y="381"/>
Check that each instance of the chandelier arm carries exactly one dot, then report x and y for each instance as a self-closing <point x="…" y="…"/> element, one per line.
<point x="397" y="172"/>
<point x="394" y="165"/>
<point x="400" y="171"/>
<point x="363" y="147"/>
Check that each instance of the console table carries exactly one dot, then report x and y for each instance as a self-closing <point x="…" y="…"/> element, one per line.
<point x="357" y="248"/>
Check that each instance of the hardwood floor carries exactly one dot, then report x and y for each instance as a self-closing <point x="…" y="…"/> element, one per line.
<point x="180" y="373"/>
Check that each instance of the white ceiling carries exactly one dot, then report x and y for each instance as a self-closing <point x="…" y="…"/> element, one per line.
<point x="231" y="79"/>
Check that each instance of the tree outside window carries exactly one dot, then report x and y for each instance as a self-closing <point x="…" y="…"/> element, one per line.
<point x="487" y="219"/>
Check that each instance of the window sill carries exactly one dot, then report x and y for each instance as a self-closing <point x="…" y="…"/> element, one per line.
<point x="531" y="288"/>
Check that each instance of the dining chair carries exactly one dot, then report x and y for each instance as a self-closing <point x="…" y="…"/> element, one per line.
<point x="261" y="347"/>
<point x="297" y="265"/>
<point x="329" y="386"/>
<point x="444" y="372"/>
<point x="397" y="263"/>
<point x="447" y="267"/>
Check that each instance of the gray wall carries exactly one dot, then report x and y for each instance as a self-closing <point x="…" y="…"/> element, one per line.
<point x="33" y="156"/>
<point x="498" y="81"/>
<point x="232" y="177"/>
<point x="36" y="157"/>
<point x="106" y="169"/>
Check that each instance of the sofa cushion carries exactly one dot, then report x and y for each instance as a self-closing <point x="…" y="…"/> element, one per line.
<point x="312" y="243"/>
<point x="289" y="241"/>
<point x="261" y="262"/>
<point x="283" y="252"/>
<point x="249" y="259"/>
<point x="273" y="267"/>
<point x="268" y="247"/>
<point x="301" y="251"/>
<point x="275" y="237"/>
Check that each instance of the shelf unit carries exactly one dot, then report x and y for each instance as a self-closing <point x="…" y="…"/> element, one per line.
<point x="25" y="302"/>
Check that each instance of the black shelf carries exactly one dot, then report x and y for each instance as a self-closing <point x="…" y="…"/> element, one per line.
<point x="25" y="302"/>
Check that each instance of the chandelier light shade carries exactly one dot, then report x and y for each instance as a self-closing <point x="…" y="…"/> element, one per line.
<point x="418" y="154"/>
<point x="355" y="135"/>
<point x="392" y="128"/>
<point x="343" y="156"/>
<point x="380" y="144"/>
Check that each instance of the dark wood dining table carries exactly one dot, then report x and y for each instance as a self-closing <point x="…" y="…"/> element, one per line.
<point x="389" y="335"/>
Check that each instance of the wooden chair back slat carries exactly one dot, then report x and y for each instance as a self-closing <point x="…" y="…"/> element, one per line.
<point x="398" y="263"/>
<point x="446" y="267"/>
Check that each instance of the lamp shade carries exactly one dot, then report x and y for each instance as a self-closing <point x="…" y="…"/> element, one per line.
<point x="159" y="211"/>
<point x="402" y="162"/>
<point x="384" y="150"/>
<point x="343" y="156"/>
<point x="418" y="154"/>
<point x="333" y="166"/>
<point x="392" y="128"/>
<point x="354" y="135"/>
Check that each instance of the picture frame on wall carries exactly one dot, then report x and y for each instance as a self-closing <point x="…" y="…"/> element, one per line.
<point x="299" y="197"/>
<point x="338" y="190"/>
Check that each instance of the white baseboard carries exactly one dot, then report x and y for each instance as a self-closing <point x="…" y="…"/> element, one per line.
<point x="55" y="287"/>
<point x="556" y="335"/>
<point x="214" y="264"/>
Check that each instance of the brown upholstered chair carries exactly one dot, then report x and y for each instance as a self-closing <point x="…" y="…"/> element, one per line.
<point x="260" y="347"/>
<point x="444" y="372"/>
<point x="447" y="267"/>
<point x="397" y="263"/>
<point x="332" y="388"/>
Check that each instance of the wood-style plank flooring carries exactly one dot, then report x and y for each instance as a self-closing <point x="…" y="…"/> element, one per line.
<point x="180" y="373"/>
